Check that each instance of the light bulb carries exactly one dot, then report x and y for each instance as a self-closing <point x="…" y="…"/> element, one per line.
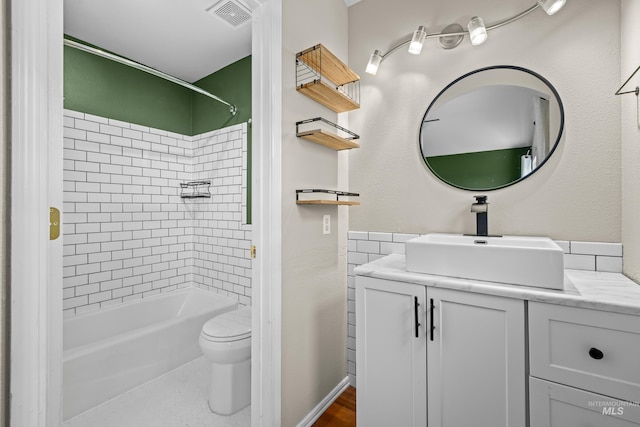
<point x="477" y="31"/>
<point x="374" y="63"/>
<point x="551" y="6"/>
<point x="419" y="36"/>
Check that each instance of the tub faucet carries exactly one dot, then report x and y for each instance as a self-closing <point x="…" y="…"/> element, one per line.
<point x="481" y="207"/>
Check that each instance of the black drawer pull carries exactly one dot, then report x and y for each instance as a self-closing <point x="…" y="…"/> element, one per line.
<point x="415" y="314"/>
<point x="432" y="327"/>
<point x="595" y="353"/>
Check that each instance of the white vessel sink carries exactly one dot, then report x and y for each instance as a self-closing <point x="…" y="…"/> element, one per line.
<point x="516" y="260"/>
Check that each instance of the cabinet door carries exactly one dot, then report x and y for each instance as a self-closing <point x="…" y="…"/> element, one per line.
<point x="390" y="358"/>
<point x="476" y="360"/>
<point x="556" y="405"/>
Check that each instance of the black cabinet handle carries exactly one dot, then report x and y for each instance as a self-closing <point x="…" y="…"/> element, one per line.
<point x="416" y="304"/>
<point x="432" y="307"/>
<point x="595" y="353"/>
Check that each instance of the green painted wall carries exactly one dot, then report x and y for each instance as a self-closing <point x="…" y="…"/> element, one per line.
<point x="105" y="88"/>
<point x="481" y="170"/>
<point x="231" y="83"/>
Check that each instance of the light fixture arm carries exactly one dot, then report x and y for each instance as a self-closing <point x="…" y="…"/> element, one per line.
<point x="513" y="18"/>
<point x="465" y="33"/>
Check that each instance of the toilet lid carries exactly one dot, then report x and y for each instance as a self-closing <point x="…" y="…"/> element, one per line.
<point x="231" y="326"/>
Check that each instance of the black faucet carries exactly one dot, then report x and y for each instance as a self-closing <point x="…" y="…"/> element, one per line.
<point x="481" y="207"/>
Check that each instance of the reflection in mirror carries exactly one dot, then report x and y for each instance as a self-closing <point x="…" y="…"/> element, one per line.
<point x="491" y="128"/>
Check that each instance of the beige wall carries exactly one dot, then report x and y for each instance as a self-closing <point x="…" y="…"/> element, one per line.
<point x="575" y="196"/>
<point x="630" y="140"/>
<point x="313" y="265"/>
<point x="4" y="221"/>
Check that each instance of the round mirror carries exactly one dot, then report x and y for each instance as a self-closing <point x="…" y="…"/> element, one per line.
<point x="491" y="128"/>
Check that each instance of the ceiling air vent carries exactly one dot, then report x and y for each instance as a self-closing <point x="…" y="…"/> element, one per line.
<point x="233" y="12"/>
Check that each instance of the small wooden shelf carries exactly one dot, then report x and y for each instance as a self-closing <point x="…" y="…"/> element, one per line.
<point x="337" y="200"/>
<point x="321" y="76"/>
<point x="320" y="58"/>
<point x="326" y="95"/>
<point x="327" y="202"/>
<point x="326" y="138"/>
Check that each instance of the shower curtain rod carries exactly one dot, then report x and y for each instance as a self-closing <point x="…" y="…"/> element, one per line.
<point x="232" y="108"/>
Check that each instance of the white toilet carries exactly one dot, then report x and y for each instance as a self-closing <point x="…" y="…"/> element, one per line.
<point x="226" y="341"/>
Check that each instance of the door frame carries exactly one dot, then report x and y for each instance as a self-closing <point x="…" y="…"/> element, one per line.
<point x="36" y="172"/>
<point x="266" y="187"/>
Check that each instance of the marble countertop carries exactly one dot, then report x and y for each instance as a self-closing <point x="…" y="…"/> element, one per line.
<point x="588" y="289"/>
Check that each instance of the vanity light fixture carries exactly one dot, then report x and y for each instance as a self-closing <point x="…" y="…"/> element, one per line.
<point x="374" y="62"/>
<point x="551" y="6"/>
<point x="477" y="31"/>
<point x="419" y="36"/>
<point x="452" y="35"/>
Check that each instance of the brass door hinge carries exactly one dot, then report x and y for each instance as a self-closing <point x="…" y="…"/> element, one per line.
<point x="253" y="251"/>
<point x="54" y="223"/>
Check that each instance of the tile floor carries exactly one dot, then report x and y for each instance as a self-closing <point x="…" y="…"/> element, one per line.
<point x="176" y="399"/>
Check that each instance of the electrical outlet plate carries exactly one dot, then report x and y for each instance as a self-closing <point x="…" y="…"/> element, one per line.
<point x="326" y="224"/>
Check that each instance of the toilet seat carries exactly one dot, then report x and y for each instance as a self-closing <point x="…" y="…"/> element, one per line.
<point x="231" y="326"/>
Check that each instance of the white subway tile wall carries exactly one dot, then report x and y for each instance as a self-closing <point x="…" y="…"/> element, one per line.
<point x="222" y="239"/>
<point x="362" y="244"/>
<point x="127" y="233"/>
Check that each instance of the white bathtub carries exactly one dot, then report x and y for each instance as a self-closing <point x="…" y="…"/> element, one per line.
<point x="113" y="350"/>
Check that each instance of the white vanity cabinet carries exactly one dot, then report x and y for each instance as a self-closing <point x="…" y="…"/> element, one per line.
<point x="475" y="360"/>
<point x="391" y="354"/>
<point x="495" y="355"/>
<point x="461" y="352"/>
<point x="585" y="367"/>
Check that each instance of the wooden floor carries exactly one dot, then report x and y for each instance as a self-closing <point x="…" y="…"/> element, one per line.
<point x="342" y="413"/>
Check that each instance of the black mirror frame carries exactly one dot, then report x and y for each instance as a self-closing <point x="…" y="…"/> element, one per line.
<point x="509" y="67"/>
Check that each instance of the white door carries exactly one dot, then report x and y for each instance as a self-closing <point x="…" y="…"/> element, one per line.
<point x="390" y="353"/>
<point x="476" y="360"/>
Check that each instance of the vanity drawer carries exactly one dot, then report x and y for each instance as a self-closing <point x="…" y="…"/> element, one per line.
<point x="589" y="349"/>
<point x="556" y="405"/>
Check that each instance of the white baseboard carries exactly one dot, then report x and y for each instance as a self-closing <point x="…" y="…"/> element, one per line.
<point x="315" y="413"/>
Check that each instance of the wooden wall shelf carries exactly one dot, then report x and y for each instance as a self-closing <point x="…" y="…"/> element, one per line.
<point x="327" y="202"/>
<point x="326" y="95"/>
<point x="320" y="58"/>
<point x="326" y="138"/>
<point x="329" y="197"/>
<point x="321" y="76"/>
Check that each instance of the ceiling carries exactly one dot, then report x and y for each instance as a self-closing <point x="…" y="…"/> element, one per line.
<point x="178" y="37"/>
